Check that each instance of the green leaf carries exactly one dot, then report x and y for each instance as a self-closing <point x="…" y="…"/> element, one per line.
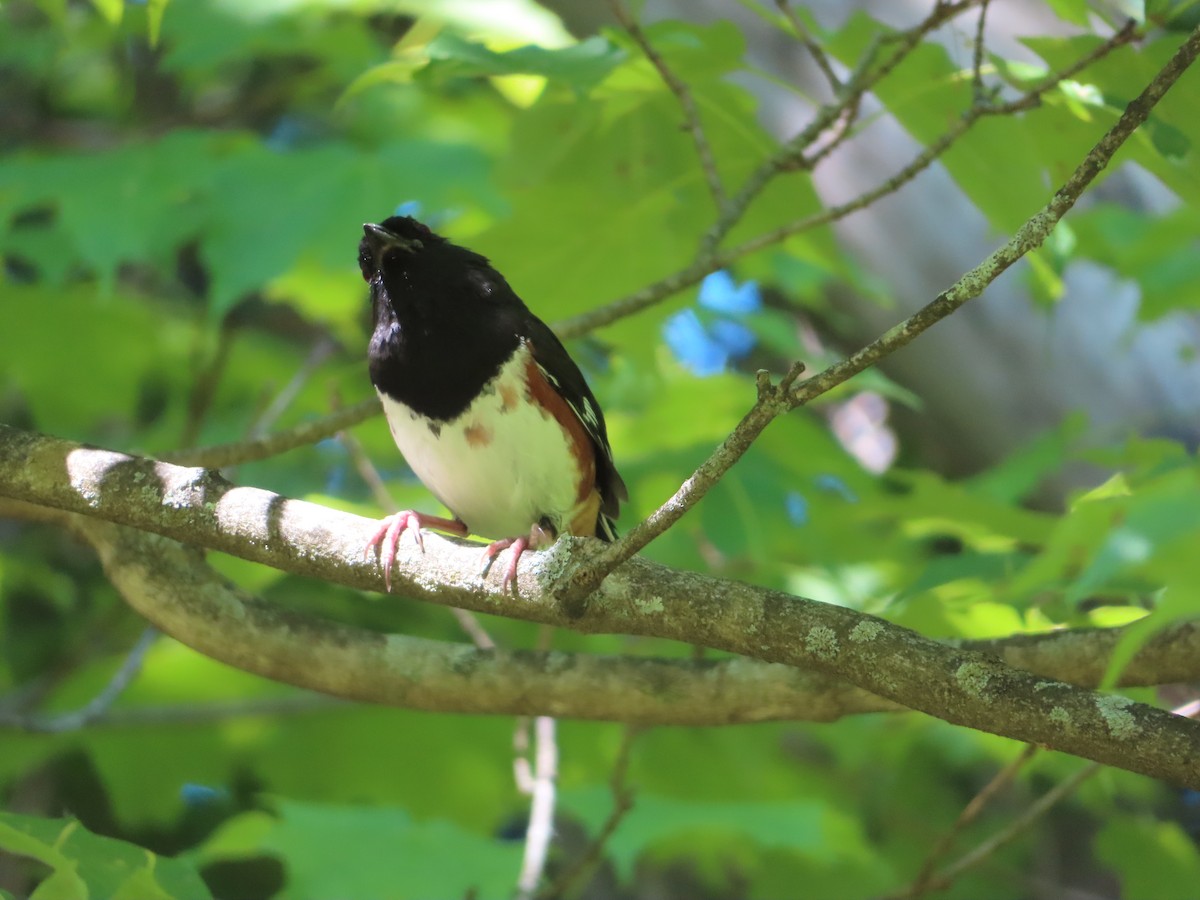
<point x="1158" y="252"/>
<point x="580" y="66"/>
<point x="358" y="851"/>
<point x="1171" y="129"/>
<point x="61" y="884"/>
<point x="997" y="163"/>
<point x="1021" y="472"/>
<point x="1157" y="515"/>
<point x="698" y="52"/>
<point x="808" y="828"/>
<point x="1152" y="858"/>
<point x="88" y="865"/>
<point x="1074" y="11"/>
<point x="111" y="10"/>
<point x="154" y="16"/>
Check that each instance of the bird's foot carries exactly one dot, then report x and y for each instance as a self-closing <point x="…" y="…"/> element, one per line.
<point x="519" y="545"/>
<point x="541" y="534"/>
<point x="387" y="538"/>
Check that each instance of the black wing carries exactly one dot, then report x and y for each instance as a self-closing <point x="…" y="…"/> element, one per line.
<point x="564" y="376"/>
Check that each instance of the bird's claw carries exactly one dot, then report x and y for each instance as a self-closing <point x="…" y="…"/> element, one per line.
<point x="519" y="545"/>
<point x="392" y="528"/>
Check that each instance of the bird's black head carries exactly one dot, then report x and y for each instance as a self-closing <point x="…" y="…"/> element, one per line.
<point x="391" y="241"/>
<point x="443" y="316"/>
<point x="423" y="280"/>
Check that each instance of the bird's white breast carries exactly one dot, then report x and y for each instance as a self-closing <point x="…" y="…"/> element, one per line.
<point x="501" y="465"/>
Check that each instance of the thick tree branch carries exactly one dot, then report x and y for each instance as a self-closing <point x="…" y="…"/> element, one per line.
<point x="173" y="587"/>
<point x="199" y="507"/>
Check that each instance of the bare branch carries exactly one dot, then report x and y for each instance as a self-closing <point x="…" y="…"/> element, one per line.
<point x="810" y="44"/>
<point x="540" y="830"/>
<point x="969" y="814"/>
<point x="977" y="63"/>
<point x="204" y="387"/>
<point x="1029" y="236"/>
<point x="691" y="115"/>
<point x="222" y="455"/>
<point x="790" y="154"/>
<point x="321" y="351"/>
<point x="96" y="708"/>
<point x="622" y="796"/>
<point x="986" y="849"/>
<point x="770" y="404"/>
<point x="706" y="264"/>
<point x="1013" y="830"/>
<point x="651" y="691"/>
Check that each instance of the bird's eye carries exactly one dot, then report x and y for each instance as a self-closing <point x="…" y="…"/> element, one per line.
<point x="366" y="262"/>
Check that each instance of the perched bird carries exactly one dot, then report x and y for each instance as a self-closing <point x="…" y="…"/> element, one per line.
<point x="483" y="401"/>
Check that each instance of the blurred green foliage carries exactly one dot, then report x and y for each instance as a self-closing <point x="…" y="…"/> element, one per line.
<point x="181" y="189"/>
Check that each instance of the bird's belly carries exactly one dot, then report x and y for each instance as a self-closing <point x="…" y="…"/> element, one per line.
<point x="500" y="466"/>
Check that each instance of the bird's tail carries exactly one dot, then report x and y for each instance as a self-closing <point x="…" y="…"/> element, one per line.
<point x="606" y="528"/>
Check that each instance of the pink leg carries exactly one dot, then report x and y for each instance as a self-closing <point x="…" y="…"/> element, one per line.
<point x="387" y="538"/>
<point x="519" y="545"/>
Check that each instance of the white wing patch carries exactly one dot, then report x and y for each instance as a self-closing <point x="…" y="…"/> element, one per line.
<point x="584" y="411"/>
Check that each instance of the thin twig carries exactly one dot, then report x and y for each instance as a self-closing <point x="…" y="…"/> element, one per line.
<point x="366" y="470"/>
<point x="864" y="77"/>
<point x="787" y="156"/>
<point x="96" y="708"/>
<point x="623" y="797"/>
<point x="810" y="44"/>
<point x="222" y="455"/>
<point x="977" y="65"/>
<point x="934" y="150"/>
<point x="706" y="265"/>
<point x="968" y="815"/>
<point x="299" y="703"/>
<point x="1015" y="828"/>
<point x="540" y="784"/>
<point x="691" y="115"/>
<point x="540" y="831"/>
<point x="204" y="387"/>
<point x="1010" y="832"/>
<point x="320" y="352"/>
<point x="771" y="403"/>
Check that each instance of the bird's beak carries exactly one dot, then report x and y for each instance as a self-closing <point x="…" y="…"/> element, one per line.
<point x="380" y="239"/>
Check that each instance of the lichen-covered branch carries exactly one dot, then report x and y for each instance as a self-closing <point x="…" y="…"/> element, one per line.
<point x="200" y="508"/>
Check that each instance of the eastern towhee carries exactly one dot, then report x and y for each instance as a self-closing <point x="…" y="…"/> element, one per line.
<point x="483" y="401"/>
